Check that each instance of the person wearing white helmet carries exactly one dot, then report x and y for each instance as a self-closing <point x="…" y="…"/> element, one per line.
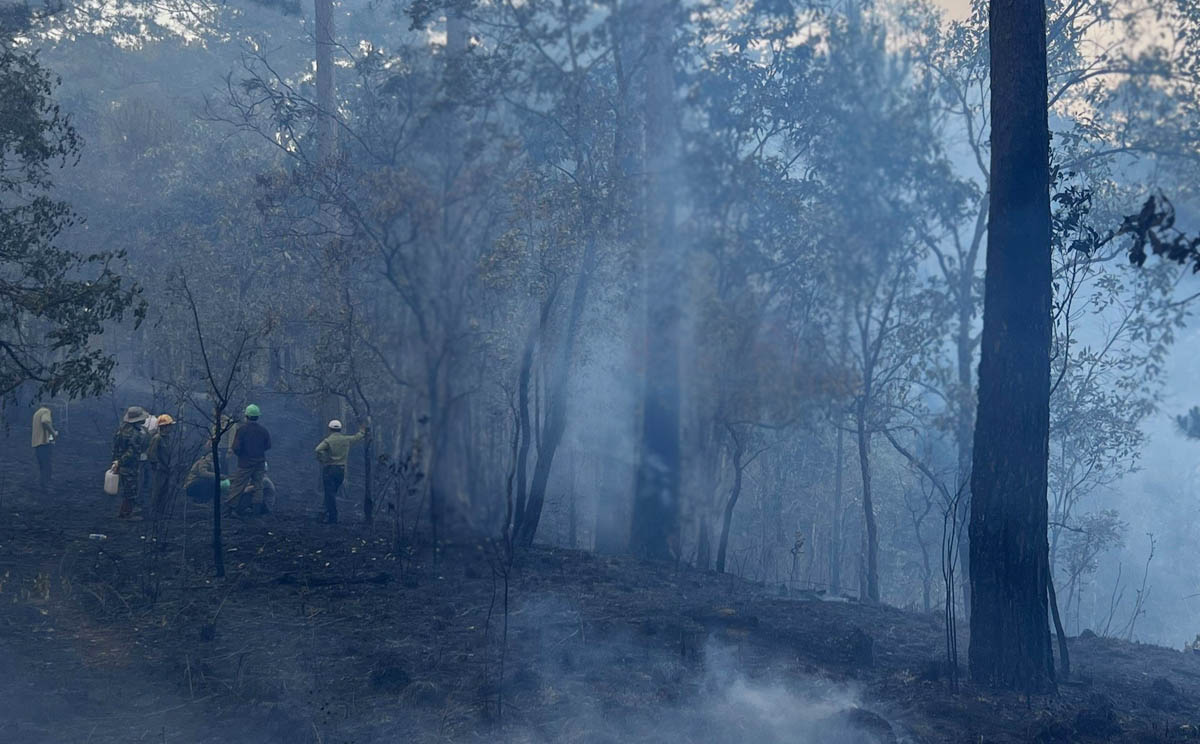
<point x="332" y="453"/>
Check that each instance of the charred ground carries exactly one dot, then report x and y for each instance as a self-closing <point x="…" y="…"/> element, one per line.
<point x="333" y="634"/>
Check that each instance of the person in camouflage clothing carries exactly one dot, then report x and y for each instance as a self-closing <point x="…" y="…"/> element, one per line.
<point x="128" y="445"/>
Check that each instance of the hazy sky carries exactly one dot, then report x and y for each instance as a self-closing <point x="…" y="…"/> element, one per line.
<point x="956" y="8"/>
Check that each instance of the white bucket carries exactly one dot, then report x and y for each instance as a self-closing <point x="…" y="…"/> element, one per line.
<point x="112" y="483"/>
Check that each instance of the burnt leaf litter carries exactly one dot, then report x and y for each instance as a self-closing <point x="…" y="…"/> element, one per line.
<point x="329" y="633"/>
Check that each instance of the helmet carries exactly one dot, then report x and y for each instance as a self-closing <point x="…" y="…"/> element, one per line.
<point x="252" y="411"/>
<point x="335" y="425"/>
<point x="165" y="420"/>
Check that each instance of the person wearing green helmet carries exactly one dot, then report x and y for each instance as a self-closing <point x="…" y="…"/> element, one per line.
<point x="250" y="445"/>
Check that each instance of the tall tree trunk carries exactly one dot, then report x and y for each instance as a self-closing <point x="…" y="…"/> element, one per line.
<point x="609" y="530"/>
<point x="441" y="476"/>
<point x="368" y="496"/>
<point x="835" y="539"/>
<point x="433" y="471"/>
<point x="727" y="517"/>
<point x="215" y="446"/>
<point x="458" y="34"/>
<point x="927" y="587"/>
<point x="1064" y="654"/>
<point x="703" y="545"/>
<point x="572" y="506"/>
<point x="965" y="423"/>
<point x="926" y="572"/>
<point x="524" y="430"/>
<point x="1009" y="553"/>
<point x="326" y="135"/>
<point x="557" y="398"/>
<point x="326" y="102"/>
<point x="655" y="523"/>
<point x="862" y="564"/>
<point x="871" y="528"/>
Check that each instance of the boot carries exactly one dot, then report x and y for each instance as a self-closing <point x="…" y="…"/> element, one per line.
<point x="126" y="508"/>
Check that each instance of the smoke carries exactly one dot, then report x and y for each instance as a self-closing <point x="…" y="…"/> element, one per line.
<point x="737" y="708"/>
<point x="1160" y="500"/>
<point x="629" y="688"/>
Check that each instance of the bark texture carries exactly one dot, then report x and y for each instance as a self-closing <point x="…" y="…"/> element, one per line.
<point x="655" y="524"/>
<point x="326" y="104"/>
<point x="1010" y="639"/>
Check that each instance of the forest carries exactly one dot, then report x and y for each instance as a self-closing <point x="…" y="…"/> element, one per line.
<point x="634" y="370"/>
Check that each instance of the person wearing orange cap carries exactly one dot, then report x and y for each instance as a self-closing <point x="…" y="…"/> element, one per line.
<point x="161" y="456"/>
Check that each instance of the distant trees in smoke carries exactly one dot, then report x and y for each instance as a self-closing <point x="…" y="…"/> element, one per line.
<point x="54" y="302"/>
<point x="1190" y="424"/>
<point x="710" y="283"/>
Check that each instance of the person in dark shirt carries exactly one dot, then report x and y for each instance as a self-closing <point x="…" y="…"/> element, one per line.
<point x="250" y="444"/>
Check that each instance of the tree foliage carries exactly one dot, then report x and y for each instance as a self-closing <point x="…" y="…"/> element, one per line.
<point x="53" y="301"/>
<point x="468" y="261"/>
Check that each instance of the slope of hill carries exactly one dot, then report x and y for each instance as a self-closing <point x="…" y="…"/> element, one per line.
<point x="338" y="634"/>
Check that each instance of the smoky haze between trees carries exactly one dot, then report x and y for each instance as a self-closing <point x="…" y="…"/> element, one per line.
<point x="787" y="369"/>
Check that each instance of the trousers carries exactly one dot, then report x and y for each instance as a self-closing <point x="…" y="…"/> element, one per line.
<point x="42" y="453"/>
<point x="331" y="478"/>
<point x="243" y="477"/>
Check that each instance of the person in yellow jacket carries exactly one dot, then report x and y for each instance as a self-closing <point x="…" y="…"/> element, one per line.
<point x="332" y="453"/>
<point x="43" y="440"/>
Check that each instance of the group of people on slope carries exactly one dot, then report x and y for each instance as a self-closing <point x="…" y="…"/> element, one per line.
<point x="143" y="438"/>
<point x="144" y="460"/>
<point x="136" y="443"/>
